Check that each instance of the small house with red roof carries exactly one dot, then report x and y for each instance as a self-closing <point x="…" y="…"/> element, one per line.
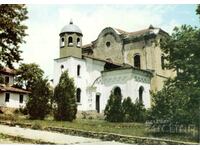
<point x="11" y="96"/>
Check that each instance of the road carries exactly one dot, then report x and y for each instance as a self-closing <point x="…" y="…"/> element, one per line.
<point x="52" y="137"/>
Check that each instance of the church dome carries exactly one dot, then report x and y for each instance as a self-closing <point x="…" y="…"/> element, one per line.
<point x="71" y="28"/>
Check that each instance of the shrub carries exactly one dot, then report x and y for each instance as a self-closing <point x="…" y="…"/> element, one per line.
<point x="65" y="99"/>
<point x="113" y="111"/>
<point x="36" y="126"/>
<point x="128" y="109"/>
<point x="38" y="103"/>
<point x="139" y="111"/>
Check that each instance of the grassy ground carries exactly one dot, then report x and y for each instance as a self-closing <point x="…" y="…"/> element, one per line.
<point x="134" y="129"/>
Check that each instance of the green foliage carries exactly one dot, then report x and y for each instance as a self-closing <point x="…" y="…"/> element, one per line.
<point x="12" y="32"/>
<point x="178" y="102"/>
<point x="113" y="111"/>
<point x="133" y="112"/>
<point x="139" y="112"/>
<point x="38" y="104"/>
<point x="182" y="51"/>
<point x="1" y="80"/>
<point x="198" y="9"/>
<point x="28" y="74"/>
<point x="65" y="99"/>
<point x="128" y="109"/>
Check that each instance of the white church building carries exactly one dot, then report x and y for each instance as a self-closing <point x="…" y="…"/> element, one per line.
<point x="96" y="73"/>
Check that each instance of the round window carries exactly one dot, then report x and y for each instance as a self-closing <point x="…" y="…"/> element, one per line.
<point x="108" y="44"/>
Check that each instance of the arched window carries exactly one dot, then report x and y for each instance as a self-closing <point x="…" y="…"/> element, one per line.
<point x="141" y="90"/>
<point x="78" y="42"/>
<point x="117" y="91"/>
<point x="78" y="95"/>
<point x="62" y="43"/>
<point x="70" y="41"/>
<point x="78" y="70"/>
<point x="162" y="61"/>
<point x="62" y="68"/>
<point x="137" y="61"/>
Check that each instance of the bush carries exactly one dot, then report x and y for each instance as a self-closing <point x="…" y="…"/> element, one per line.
<point x="139" y="112"/>
<point x="24" y="111"/>
<point x="36" y="126"/>
<point x="113" y="111"/>
<point x="38" y="103"/>
<point x="128" y="110"/>
<point x="65" y="99"/>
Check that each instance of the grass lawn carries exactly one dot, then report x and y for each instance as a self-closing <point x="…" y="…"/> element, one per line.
<point x="97" y="125"/>
<point x="134" y="129"/>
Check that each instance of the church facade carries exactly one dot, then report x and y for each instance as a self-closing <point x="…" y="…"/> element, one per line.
<point x="130" y="62"/>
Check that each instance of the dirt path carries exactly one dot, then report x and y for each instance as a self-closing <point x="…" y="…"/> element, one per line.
<point x="52" y="137"/>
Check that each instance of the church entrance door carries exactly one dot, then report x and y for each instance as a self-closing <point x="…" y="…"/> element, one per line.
<point x="98" y="103"/>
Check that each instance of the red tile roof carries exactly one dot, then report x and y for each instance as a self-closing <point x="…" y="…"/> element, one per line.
<point x="5" y="88"/>
<point x="8" y="71"/>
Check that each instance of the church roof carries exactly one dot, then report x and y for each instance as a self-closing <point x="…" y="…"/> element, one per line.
<point x="127" y="66"/>
<point x="71" y="28"/>
<point x="150" y="30"/>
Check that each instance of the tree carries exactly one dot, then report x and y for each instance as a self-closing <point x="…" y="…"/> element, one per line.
<point x="28" y="74"/>
<point x="113" y="111"/>
<point x="139" y="114"/>
<point x="174" y="102"/>
<point x="128" y="109"/>
<point x="198" y="10"/>
<point x="12" y="32"/>
<point x="65" y="99"/>
<point x="38" y="104"/>
<point x="182" y="51"/>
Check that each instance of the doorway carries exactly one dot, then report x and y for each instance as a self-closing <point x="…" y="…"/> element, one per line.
<point x="98" y="103"/>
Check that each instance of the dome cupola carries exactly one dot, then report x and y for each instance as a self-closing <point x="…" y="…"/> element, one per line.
<point x="71" y="41"/>
<point x="71" y="28"/>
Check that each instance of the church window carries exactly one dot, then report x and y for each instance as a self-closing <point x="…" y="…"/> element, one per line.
<point x="78" y="42"/>
<point x="70" y="41"/>
<point x="78" y="70"/>
<point x="141" y="90"/>
<point x="162" y="62"/>
<point x="117" y="91"/>
<point x="62" y="42"/>
<point x="108" y="44"/>
<point x="137" y="61"/>
<point x="62" y="67"/>
<point x="78" y="95"/>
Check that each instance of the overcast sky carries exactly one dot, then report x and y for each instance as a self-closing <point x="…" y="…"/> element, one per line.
<point x="46" y="21"/>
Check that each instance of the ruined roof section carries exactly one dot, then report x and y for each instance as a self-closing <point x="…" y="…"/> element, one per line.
<point x="150" y="30"/>
<point x="8" y="71"/>
<point x="5" y="88"/>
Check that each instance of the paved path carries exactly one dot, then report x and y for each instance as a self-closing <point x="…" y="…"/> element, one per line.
<point x="46" y="136"/>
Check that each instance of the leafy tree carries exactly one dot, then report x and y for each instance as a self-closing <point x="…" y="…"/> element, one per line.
<point x="38" y="104"/>
<point x="28" y="74"/>
<point x="182" y="51"/>
<point x="12" y="32"/>
<point x="198" y="10"/>
<point x="65" y="99"/>
<point x="113" y="111"/>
